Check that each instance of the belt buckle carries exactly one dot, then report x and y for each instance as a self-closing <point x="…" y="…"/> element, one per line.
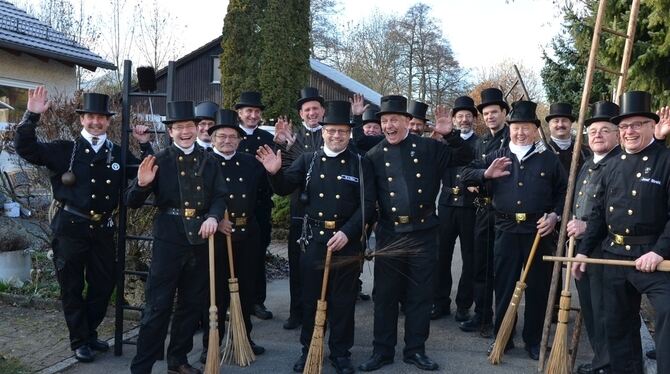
<point x="240" y="221"/>
<point x="520" y="217"/>
<point x="403" y="219"/>
<point x="619" y="239"/>
<point x="96" y="217"/>
<point x="330" y="225"/>
<point x="189" y="212"/>
<point x="455" y="191"/>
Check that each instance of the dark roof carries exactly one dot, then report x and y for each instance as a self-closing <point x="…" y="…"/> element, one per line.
<point x="345" y="81"/>
<point x="190" y="56"/>
<point x="24" y="33"/>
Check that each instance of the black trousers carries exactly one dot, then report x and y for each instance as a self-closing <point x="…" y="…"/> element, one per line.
<point x="264" y="219"/>
<point x="295" y="278"/>
<point x="510" y="253"/>
<point x="78" y="261"/>
<point x="245" y="260"/>
<point x="592" y="303"/>
<point x="625" y="287"/>
<point x="483" y="263"/>
<point x="340" y="297"/>
<point x="174" y="268"/>
<point x="455" y="222"/>
<point x="408" y="275"/>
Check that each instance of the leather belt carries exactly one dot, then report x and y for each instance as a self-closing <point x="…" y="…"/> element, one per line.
<point x="328" y="225"/>
<point x="482" y="201"/>
<point x="93" y="216"/>
<point x="186" y="212"/>
<point x="632" y="240"/>
<point x="520" y="217"/>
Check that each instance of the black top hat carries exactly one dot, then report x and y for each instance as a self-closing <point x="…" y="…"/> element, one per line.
<point x="417" y="109"/>
<point x="206" y="110"/>
<point x="464" y="103"/>
<point x="179" y="111"/>
<point x="602" y="111"/>
<point x="226" y="118"/>
<point x="370" y="114"/>
<point x="308" y="94"/>
<point x="95" y="103"/>
<point x="250" y="98"/>
<point x="492" y="96"/>
<point x="337" y="113"/>
<point x="635" y="103"/>
<point x="560" y="110"/>
<point x="393" y="104"/>
<point x="523" y="111"/>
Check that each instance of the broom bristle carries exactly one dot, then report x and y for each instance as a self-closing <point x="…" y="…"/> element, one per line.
<point x="558" y="358"/>
<point x="238" y="349"/>
<point x="314" y="361"/>
<point x="507" y="325"/>
<point x="212" y="363"/>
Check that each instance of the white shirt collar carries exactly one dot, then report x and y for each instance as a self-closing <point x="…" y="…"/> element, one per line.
<point x="89" y="138"/>
<point x="203" y="144"/>
<point x="330" y="153"/>
<point x="187" y="151"/>
<point x="563" y="144"/>
<point x="227" y="157"/>
<point x="311" y="129"/>
<point x="519" y="150"/>
<point x="630" y="153"/>
<point x="247" y="130"/>
<point x="467" y="136"/>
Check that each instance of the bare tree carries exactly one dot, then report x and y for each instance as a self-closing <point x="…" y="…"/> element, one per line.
<point x="157" y="40"/>
<point x="502" y="76"/>
<point x="324" y="35"/>
<point x="118" y="41"/>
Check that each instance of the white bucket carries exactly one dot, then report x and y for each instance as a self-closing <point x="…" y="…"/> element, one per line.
<point x="12" y="209"/>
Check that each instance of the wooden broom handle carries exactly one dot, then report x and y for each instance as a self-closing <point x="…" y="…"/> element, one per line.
<point x="662" y="266"/>
<point x="531" y="255"/>
<point x="229" y="242"/>
<point x="326" y="273"/>
<point x="568" y="274"/>
<point x="212" y="282"/>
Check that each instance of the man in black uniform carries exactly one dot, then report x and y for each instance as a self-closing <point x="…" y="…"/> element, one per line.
<point x="407" y="171"/>
<point x="603" y="141"/>
<point x="457" y="220"/>
<point x="528" y="187"/>
<point x="370" y="122"/>
<point x="250" y="110"/>
<point x="189" y="193"/>
<point x="417" y="124"/>
<point x="86" y="180"/>
<point x="562" y="143"/>
<point x="494" y="110"/>
<point x="205" y="114"/>
<point x="307" y="139"/>
<point x="330" y="185"/>
<point x="245" y="179"/>
<point x="629" y="221"/>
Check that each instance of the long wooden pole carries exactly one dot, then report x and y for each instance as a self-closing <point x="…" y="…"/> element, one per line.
<point x="663" y="266"/>
<point x="627" y="49"/>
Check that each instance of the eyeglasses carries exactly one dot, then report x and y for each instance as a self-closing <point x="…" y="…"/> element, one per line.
<point x="336" y="131"/>
<point x="633" y="126"/>
<point x="603" y="132"/>
<point x="183" y="127"/>
<point x="225" y="137"/>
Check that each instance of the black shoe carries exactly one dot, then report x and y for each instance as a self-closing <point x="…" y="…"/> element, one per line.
<point x="183" y="369"/>
<point x="421" y="361"/>
<point x="299" y="365"/>
<point x="375" y="362"/>
<point x="486" y="330"/>
<point x="651" y="354"/>
<point x="363" y="296"/>
<point x="342" y="365"/>
<point x="261" y="312"/>
<point x="462" y="315"/>
<point x="84" y="354"/>
<point x="292" y="323"/>
<point x="471" y="325"/>
<point x="437" y="312"/>
<point x="585" y="369"/>
<point x="533" y="351"/>
<point x="98" y="345"/>
<point x="510" y="345"/>
<point x="257" y="349"/>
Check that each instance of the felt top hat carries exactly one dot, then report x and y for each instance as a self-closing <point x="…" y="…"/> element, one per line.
<point x="523" y="111"/>
<point x="560" y="110"/>
<point x="308" y="94"/>
<point x="602" y="111"/>
<point x="250" y="98"/>
<point x="635" y="103"/>
<point x="179" y="111"/>
<point x="417" y="109"/>
<point x="95" y="103"/>
<point x="206" y="110"/>
<point x="464" y="103"/>
<point x="370" y="114"/>
<point x="337" y="113"/>
<point x="492" y="96"/>
<point x="226" y="118"/>
<point x="393" y="104"/>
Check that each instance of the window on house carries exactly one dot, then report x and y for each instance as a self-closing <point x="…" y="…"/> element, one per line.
<point x="216" y="70"/>
<point x="16" y="100"/>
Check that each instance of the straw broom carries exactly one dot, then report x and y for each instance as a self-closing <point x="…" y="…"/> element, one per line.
<point x="510" y="315"/>
<point x="212" y="363"/>
<point x="558" y="358"/>
<point x="238" y="349"/>
<point x="314" y="362"/>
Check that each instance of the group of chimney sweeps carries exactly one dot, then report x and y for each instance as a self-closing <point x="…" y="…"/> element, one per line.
<point x="351" y="169"/>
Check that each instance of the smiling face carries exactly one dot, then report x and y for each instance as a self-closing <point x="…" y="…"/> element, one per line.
<point x="522" y="133"/>
<point x="636" y="133"/>
<point x="250" y="116"/>
<point x="464" y="121"/>
<point x="336" y="137"/>
<point x="183" y="133"/>
<point x="494" y="117"/>
<point x="226" y="140"/>
<point x="203" y="125"/>
<point x="603" y="136"/>
<point x="395" y="127"/>
<point x="95" y="124"/>
<point x="372" y="129"/>
<point x="312" y="113"/>
<point x="417" y="126"/>
<point x="559" y="127"/>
